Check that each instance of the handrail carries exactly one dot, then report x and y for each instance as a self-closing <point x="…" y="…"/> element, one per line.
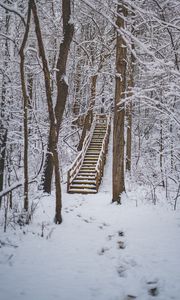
<point x="76" y="165"/>
<point x="102" y="155"/>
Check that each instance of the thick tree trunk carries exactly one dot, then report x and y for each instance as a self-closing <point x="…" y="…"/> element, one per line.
<point x="119" y="112"/>
<point x="62" y="88"/>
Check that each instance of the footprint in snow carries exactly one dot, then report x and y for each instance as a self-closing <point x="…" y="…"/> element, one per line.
<point x="103" y="250"/>
<point x="105" y="224"/>
<point x="87" y="221"/>
<point x="121" y="233"/>
<point x="121" y="245"/>
<point x="110" y="237"/>
<point x="153" y="289"/>
<point x="130" y="297"/>
<point x="121" y="270"/>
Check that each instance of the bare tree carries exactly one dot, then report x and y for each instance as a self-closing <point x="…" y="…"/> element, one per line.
<point x="62" y="88"/>
<point x="119" y="109"/>
<point x="25" y="105"/>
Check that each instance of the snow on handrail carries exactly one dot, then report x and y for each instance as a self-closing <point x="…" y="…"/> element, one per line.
<point x="102" y="155"/>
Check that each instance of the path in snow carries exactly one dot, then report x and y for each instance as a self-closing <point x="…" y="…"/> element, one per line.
<point x="101" y="251"/>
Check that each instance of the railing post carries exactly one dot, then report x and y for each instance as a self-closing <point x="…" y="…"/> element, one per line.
<point x="68" y="181"/>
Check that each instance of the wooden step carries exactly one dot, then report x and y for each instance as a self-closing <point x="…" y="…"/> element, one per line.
<point x="82" y="191"/>
<point x="93" y="153"/>
<point x="89" y="155"/>
<point x="91" y="167"/>
<point x="84" y="181"/>
<point x="100" y="129"/>
<point x="96" y="140"/>
<point x="95" y="149"/>
<point x="87" y="170"/>
<point x="85" y="177"/>
<point x="90" y="162"/>
<point x="83" y="186"/>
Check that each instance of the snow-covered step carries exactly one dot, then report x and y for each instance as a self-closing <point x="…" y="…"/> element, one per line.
<point x="87" y="166"/>
<point x="83" y="185"/>
<point x="85" y="177"/>
<point x="90" y="161"/>
<point x="91" y="155"/>
<point x="87" y="157"/>
<point x="96" y="154"/>
<point x="84" y="181"/>
<point x="85" y="172"/>
<point x="82" y="191"/>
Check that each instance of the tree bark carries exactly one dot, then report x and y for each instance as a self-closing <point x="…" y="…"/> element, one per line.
<point x="129" y="136"/>
<point x="129" y="112"/>
<point x="62" y="88"/>
<point x="89" y="114"/>
<point x="53" y="134"/>
<point x="25" y="107"/>
<point x="3" y="122"/>
<point x="119" y="111"/>
<point x="3" y="140"/>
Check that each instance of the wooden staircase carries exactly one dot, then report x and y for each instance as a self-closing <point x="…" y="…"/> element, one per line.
<point x="86" y="172"/>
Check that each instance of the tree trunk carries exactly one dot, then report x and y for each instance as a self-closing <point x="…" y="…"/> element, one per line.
<point x="129" y="136"/>
<point x="118" y="131"/>
<point x="3" y="122"/>
<point x="62" y="88"/>
<point x="54" y="128"/>
<point x="25" y="106"/>
<point x="89" y="114"/>
<point x="129" y="113"/>
<point x="3" y="140"/>
<point x="78" y="90"/>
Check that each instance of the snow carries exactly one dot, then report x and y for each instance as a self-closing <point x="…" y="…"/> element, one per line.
<point x="101" y="251"/>
<point x="65" y="78"/>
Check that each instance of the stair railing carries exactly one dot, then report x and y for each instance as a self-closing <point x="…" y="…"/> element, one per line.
<point x="102" y="155"/>
<point x="76" y="165"/>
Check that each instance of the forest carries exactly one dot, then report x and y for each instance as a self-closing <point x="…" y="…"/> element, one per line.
<point x="89" y="149"/>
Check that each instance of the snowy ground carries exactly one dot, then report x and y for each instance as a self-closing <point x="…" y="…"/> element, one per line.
<point x="101" y="251"/>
